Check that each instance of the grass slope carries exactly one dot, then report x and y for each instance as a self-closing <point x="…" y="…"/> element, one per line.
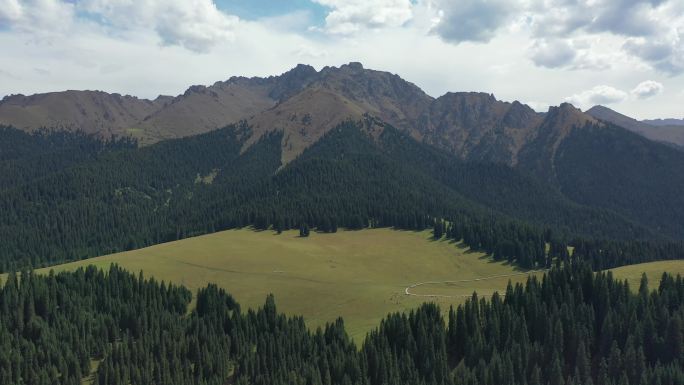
<point x="653" y="270"/>
<point x="359" y="275"/>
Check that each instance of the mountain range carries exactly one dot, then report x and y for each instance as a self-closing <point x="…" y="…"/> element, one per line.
<point x="349" y="145"/>
<point x="306" y="103"/>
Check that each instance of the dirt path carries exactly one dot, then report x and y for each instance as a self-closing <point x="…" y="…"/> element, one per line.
<point x="407" y="291"/>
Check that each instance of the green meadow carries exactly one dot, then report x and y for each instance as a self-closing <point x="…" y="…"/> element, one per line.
<point x="359" y="275"/>
<point x="654" y="271"/>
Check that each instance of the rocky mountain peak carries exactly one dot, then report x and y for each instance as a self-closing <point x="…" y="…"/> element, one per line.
<point x="566" y="116"/>
<point x="292" y="82"/>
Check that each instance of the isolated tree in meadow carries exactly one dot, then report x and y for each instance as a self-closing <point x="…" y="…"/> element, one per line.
<point x="304" y="230"/>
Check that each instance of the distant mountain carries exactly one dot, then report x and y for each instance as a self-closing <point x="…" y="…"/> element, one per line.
<point x="657" y="130"/>
<point x="303" y="102"/>
<point x="90" y="111"/>
<point x="664" y="122"/>
<point x="199" y="109"/>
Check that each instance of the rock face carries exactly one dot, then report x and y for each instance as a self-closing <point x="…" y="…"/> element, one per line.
<point x="306" y="104"/>
<point x="476" y="126"/>
<point x="334" y="95"/>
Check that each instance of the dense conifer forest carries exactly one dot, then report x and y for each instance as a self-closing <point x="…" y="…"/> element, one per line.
<point x="99" y="197"/>
<point x="624" y="172"/>
<point x="572" y="326"/>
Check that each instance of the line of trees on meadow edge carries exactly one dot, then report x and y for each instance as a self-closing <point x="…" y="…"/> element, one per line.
<point x="570" y="327"/>
<point x="530" y="247"/>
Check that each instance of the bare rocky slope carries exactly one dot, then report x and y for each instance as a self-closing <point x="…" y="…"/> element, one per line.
<point x="305" y="104"/>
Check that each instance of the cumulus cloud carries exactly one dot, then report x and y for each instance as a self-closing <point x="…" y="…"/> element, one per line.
<point x="194" y="24"/>
<point x="552" y="53"/>
<point x="349" y="16"/>
<point x="666" y="55"/>
<point x="621" y="17"/>
<point x="42" y="17"/>
<point x="647" y="89"/>
<point x="604" y="94"/>
<point x="646" y="25"/>
<point x="472" y="20"/>
<point x="10" y="11"/>
<point x="651" y="29"/>
<point x="598" y="95"/>
<point x="627" y="17"/>
<point x="573" y="54"/>
<point x="647" y="28"/>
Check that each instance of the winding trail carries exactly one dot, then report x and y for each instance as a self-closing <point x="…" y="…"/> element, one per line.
<point x="407" y="291"/>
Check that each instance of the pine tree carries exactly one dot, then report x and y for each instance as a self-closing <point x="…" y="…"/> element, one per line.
<point x="304" y="230"/>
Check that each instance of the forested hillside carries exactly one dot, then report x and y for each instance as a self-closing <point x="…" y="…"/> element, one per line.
<point x="354" y="178"/>
<point x="570" y="327"/>
<point x="563" y="170"/>
<point x="24" y="158"/>
<point x="612" y="168"/>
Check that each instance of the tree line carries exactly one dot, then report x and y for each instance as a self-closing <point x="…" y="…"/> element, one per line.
<point x="571" y="326"/>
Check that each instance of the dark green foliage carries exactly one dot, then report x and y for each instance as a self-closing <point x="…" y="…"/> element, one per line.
<point x="26" y="157"/>
<point x="572" y="326"/>
<point x="609" y="167"/>
<point x="123" y="198"/>
<point x="438" y="229"/>
<point x="52" y="326"/>
<point x="303" y="230"/>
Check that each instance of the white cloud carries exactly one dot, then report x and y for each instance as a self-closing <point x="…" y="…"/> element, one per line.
<point x="647" y="89"/>
<point x="10" y="11"/>
<point x="666" y="55"/>
<point x="620" y="17"/>
<point x="598" y="95"/>
<point x="576" y="54"/>
<point x="194" y="24"/>
<point x="472" y="20"/>
<point x="118" y="49"/>
<point x="552" y="53"/>
<point x="650" y="30"/>
<point x="350" y="16"/>
<point x="644" y="27"/>
<point x="40" y="17"/>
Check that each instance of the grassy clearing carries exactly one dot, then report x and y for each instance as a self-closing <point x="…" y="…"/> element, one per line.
<point x="359" y="275"/>
<point x="653" y="270"/>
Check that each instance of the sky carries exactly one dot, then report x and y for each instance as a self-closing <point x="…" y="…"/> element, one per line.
<point x="625" y="54"/>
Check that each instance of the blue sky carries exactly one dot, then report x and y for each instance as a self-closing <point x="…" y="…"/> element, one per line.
<point x="626" y="54"/>
<point x="257" y="9"/>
